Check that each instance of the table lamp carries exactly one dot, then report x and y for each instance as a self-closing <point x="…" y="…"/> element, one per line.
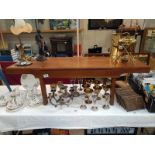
<point x="20" y="26"/>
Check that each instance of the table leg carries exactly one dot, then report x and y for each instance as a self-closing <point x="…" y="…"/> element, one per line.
<point x="43" y="90"/>
<point x="112" y="91"/>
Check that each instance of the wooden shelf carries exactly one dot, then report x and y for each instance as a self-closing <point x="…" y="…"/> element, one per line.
<point x="48" y="31"/>
<point x="61" y="31"/>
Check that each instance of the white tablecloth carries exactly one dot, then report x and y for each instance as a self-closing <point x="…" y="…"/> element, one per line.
<point x="72" y="117"/>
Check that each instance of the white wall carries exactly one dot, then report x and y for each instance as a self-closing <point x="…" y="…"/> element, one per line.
<point x="103" y="37"/>
<point x="150" y="23"/>
<point x="90" y="37"/>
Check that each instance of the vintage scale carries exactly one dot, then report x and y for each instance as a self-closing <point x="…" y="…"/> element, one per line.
<point x="123" y="45"/>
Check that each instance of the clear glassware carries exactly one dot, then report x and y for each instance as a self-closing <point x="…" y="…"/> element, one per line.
<point x="35" y="100"/>
<point x="72" y="82"/>
<point x="83" y="107"/>
<point x="80" y="82"/>
<point x="15" y="102"/>
<point x="106" y="105"/>
<point x="35" y="88"/>
<point x="3" y="101"/>
<point x="71" y="90"/>
<point x="75" y="92"/>
<point x="97" y="88"/>
<point x="94" y="106"/>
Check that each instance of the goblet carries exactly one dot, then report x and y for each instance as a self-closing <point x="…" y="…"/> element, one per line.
<point x="75" y="92"/>
<point x="106" y="105"/>
<point x="105" y="88"/>
<point x="72" y="81"/>
<point x="88" y="91"/>
<point x="52" y="95"/>
<point x="94" y="108"/>
<point x="86" y="85"/>
<point x="83" y="107"/>
<point x="80" y="81"/>
<point x="106" y="82"/>
<point x="71" y="90"/>
<point x="97" y="89"/>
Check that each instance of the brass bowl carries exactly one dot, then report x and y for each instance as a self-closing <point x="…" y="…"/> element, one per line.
<point x="88" y="90"/>
<point x="97" y="87"/>
<point x="86" y="85"/>
<point x="97" y="82"/>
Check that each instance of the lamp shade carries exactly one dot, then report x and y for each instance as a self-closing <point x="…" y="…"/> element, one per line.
<point x="20" y="26"/>
<point x="19" y="23"/>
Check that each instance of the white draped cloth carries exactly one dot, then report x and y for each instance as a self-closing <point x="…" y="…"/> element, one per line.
<point x="72" y="117"/>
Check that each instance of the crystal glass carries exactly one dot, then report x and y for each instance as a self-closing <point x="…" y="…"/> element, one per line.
<point x="94" y="107"/>
<point x="106" y="105"/>
<point x="3" y="101"/>
<point x="80" y="82"/>
<point x="88" y="92"/>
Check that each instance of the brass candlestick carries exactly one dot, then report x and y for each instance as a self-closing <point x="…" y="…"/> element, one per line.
<point x="60" y="86"/>
<point x="62" y="101"/>
<point x="65" y="94"/>
<point x="52" y="95"/>
<point x="53" y="89"/>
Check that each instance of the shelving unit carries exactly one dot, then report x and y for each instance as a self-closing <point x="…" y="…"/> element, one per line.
<point x="148" y="40"/>
<point x="75" y="31"/>
<point x="49" y="31"/>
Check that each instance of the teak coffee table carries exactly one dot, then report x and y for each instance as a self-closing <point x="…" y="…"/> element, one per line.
<point x="79" y="67"/>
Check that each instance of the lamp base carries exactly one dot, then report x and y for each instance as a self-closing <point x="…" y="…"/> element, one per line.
<point x="23" y="63"/>
<point x="41" y="58"/>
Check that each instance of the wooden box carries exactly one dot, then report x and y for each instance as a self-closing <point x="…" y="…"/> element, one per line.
<point x="128" y="99"/>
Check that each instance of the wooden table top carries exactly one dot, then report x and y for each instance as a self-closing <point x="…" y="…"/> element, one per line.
<point x="79" y="64"/>
<point x="79" y="67"/>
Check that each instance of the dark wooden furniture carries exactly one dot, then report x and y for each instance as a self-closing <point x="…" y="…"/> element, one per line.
<point x="79" y="67"/>
<point x="61" y="46"/>
<point x="147" y="35"/>
<point x="143" y="56"/>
